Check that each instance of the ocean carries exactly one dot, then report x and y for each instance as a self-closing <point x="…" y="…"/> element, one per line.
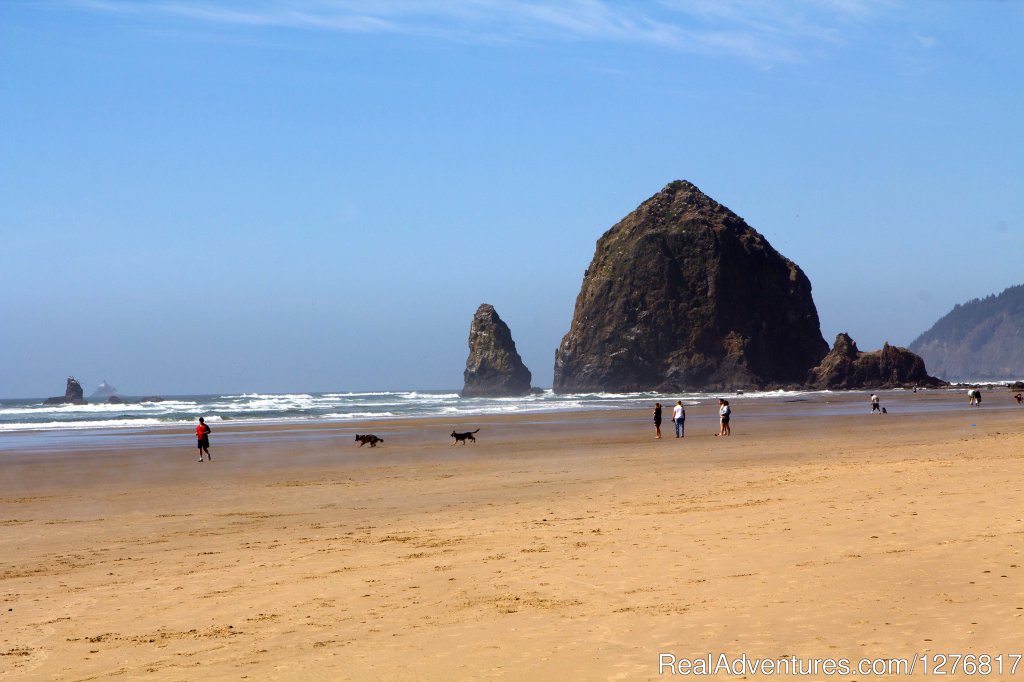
<point x="266" y="408"/>
<point x="28" y="423"/>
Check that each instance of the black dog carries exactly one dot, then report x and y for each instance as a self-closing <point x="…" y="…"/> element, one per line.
<point x="369" y="438"/>
<point x="463" y="437"/>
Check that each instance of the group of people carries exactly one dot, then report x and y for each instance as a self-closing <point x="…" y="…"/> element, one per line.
<point x="679" y="418"/>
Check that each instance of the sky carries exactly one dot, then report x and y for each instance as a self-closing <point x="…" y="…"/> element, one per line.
<point x="205" y="196"/>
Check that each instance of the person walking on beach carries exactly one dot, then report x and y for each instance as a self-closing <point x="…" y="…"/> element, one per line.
<point x="723" y="415"/>
<point x="875" y="407"/>
<point x="679" y="418"/>
<point x="975" y="395"/>
<point x="657" y="420"/>
<point x="203" y="438"/>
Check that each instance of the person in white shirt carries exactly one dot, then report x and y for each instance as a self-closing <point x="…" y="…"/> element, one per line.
<point x="679" y="417"/>
<point x="723" y="413"/>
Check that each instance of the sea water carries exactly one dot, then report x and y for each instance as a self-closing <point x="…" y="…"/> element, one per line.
<point x="261" y="408"/>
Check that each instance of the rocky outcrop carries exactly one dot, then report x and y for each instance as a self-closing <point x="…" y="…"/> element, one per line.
<point x="982" y="339"/>
<point x="683" y="294"/>
<point x="73" y="394"/>
<point x="847" y="367"/>
<point x="493" y="367"/>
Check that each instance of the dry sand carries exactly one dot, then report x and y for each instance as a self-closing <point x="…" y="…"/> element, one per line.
<point x="558" y="546"/>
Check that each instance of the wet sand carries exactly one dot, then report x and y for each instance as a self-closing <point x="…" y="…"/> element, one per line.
<point x="568" y="545"/>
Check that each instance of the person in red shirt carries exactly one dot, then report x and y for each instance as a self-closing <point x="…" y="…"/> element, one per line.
<point x="203" y="437"/>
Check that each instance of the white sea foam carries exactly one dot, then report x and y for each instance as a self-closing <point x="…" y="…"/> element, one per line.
<point x="262" y="408"/>
<point x="88" y="424"/>
<point x="359" y="415"/>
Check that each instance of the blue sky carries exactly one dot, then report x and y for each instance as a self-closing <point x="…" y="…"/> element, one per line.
<point x="215" y="195"/>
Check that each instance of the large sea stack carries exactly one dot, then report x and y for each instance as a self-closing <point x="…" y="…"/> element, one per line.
<point x="847" y="367"/>
<point x="493" y="368"/>
<point x="683" y="294"/>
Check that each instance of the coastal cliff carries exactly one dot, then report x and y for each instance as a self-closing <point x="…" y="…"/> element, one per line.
<point x="683" y="294"/>
<point x="982" y="339"/>
<point x="494" y="367"/>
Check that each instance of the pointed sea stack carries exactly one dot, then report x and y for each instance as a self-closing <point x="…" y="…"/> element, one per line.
<point x="846" y="367"/>
<point x="73" y="395"/>
<point x="683" y="294"/>
<point x="494" y="368"/>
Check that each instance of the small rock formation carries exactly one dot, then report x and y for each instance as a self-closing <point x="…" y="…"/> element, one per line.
<point x="682" y="294"/>
<point x="493" y="368"/>
<point x="152" y="399"/>
<point x="847" y="367"/>
<point x="115" y="400"/>
<point x="73" y="395"/>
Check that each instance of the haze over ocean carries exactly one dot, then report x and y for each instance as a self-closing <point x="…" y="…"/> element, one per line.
<point x="205" y="197"/>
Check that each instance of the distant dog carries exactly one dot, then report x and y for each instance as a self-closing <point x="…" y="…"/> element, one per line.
<point x="885" y="411"/>
<point x="463" y="437"/>
<point x="369" y="438"/>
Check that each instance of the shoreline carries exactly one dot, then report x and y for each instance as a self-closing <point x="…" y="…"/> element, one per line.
<point x="801" y="404"/>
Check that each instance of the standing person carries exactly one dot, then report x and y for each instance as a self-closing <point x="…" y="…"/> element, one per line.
<point x="657" y="420"/>
<point x="875" y="407"/>
<point x="723" y="414"/>
<point x="203" y="438"/>
<point x="679" y="418"/>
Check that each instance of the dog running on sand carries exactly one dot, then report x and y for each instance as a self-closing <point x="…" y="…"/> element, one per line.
<point x="463" y="437"/>
<point x="369" y="438"/>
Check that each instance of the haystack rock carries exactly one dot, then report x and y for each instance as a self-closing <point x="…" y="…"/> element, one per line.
<point x="73" y="394"/>
<point x="683" y="294"/>
<point x="847" y="367"/>
<point x="494" y="367"/>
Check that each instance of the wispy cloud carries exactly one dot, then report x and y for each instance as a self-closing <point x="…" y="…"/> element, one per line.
<point x="762" y="31"/>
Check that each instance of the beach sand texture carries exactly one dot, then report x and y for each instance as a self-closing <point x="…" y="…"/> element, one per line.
<point x="557" y="547"/>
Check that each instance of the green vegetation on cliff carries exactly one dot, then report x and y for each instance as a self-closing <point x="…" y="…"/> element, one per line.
<point x="980" y="339"/>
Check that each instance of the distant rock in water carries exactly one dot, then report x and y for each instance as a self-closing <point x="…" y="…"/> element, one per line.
<point x="152" y="399"/>
<point x="846" y="367"/>
<point x="682" y="294"/>
<point x="73" y="394"/>
<point x="115" y="400"/>
<point x="103" y="391"/>
<point x="493" y="367"/>
<point x="982" y="339"/>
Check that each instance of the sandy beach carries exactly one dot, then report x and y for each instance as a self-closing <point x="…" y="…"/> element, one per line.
<point x="572" y="546"/>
